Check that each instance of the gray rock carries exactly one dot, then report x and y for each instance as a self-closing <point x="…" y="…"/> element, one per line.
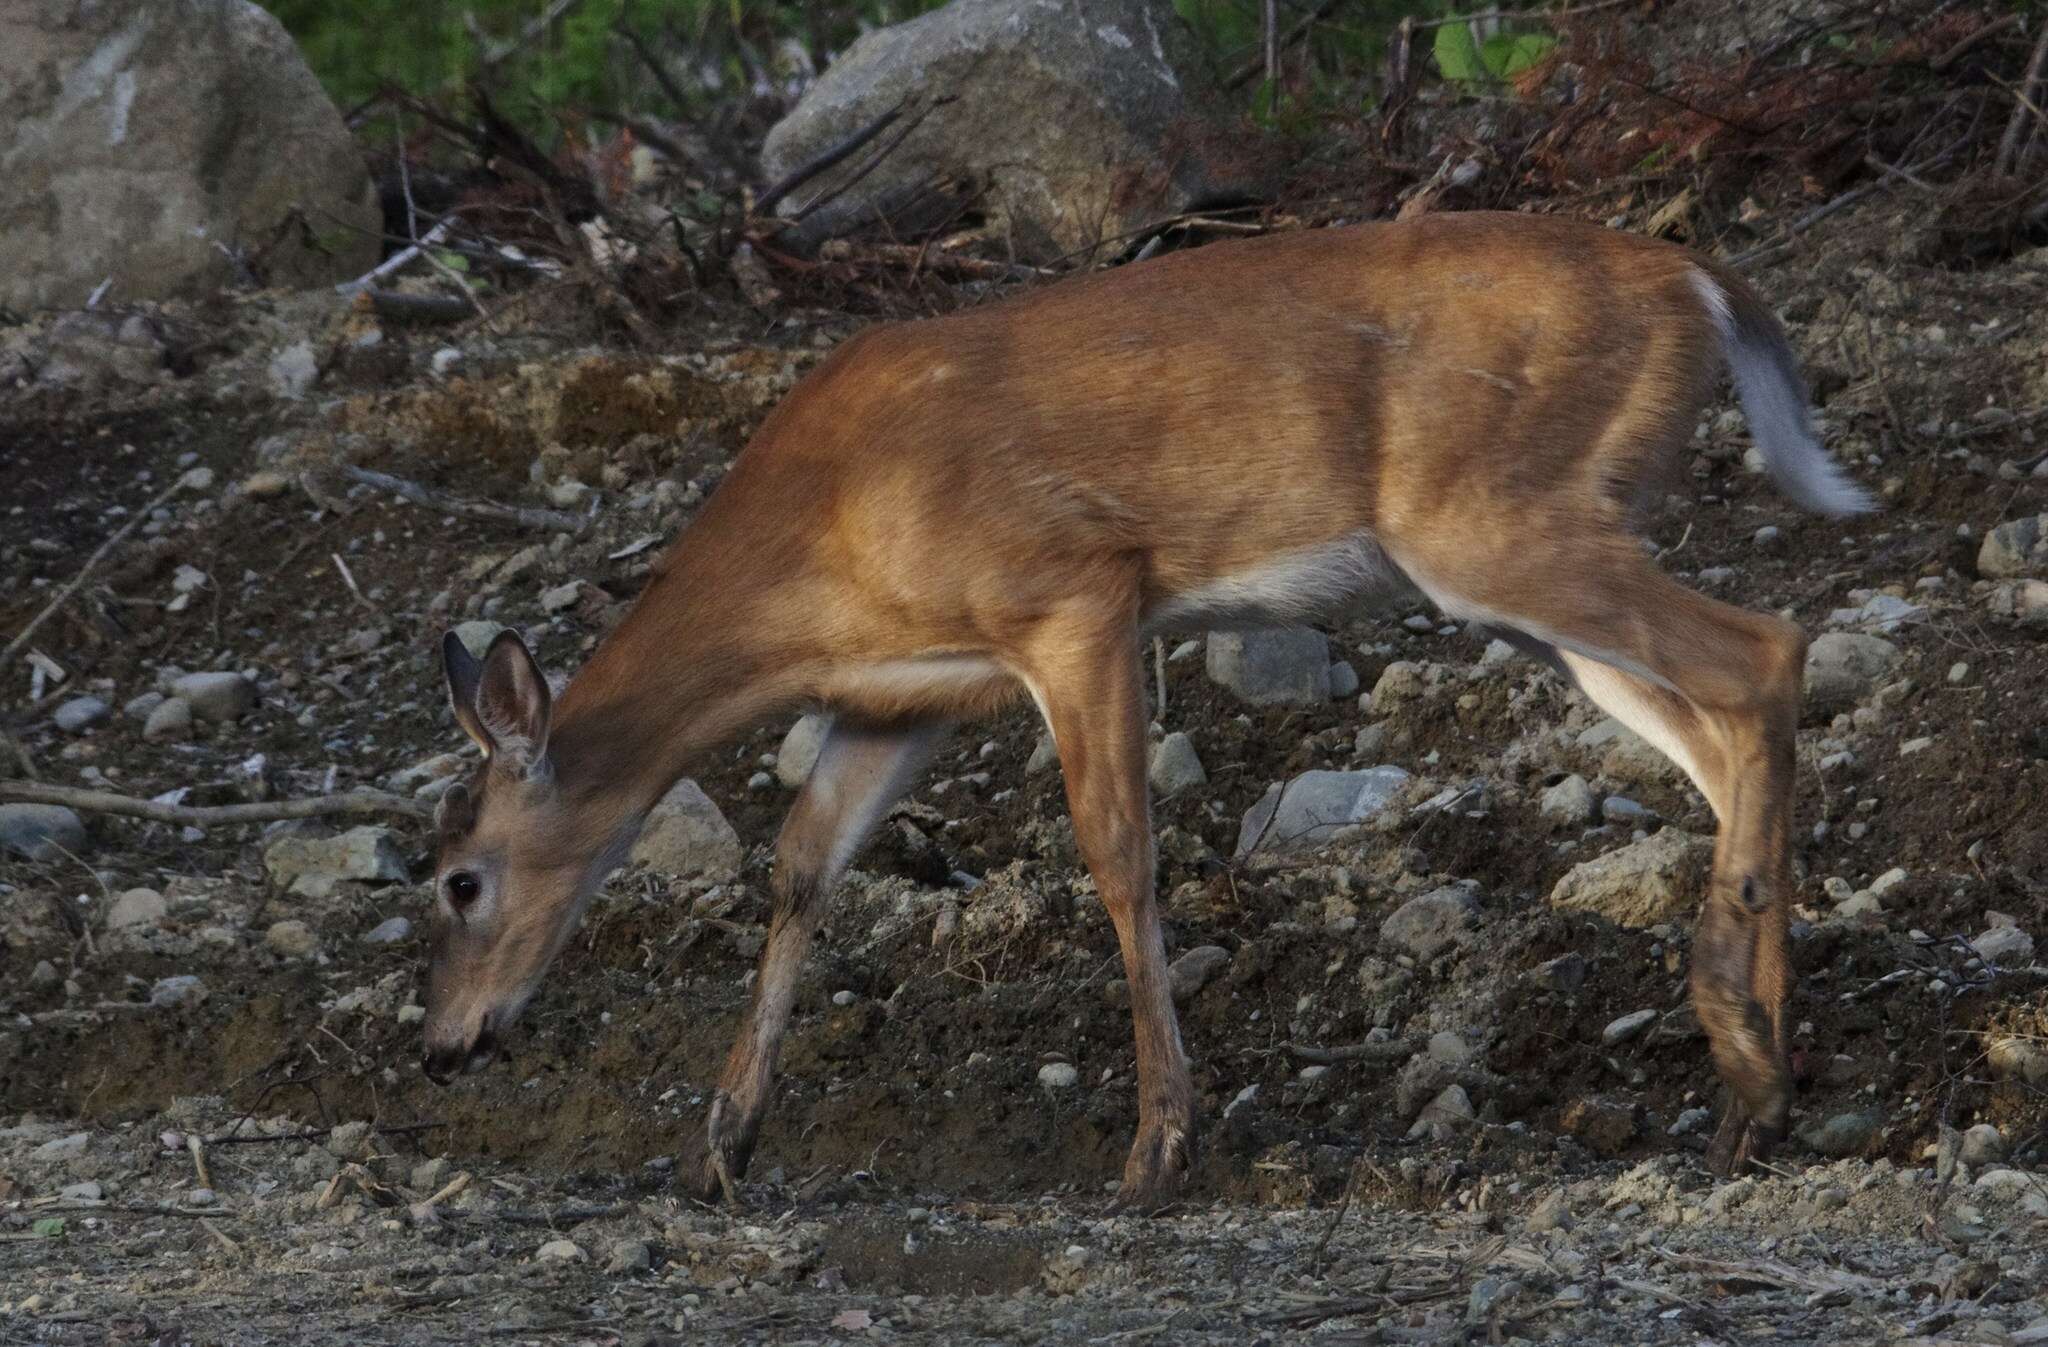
<point x="1570" y="801"/>
<point x="181" y="990"/>
<point x="390" y="931"/>
<point x="799" y="751"/>
<point x="1981" y="1145"/>
<point x="2022" y="601"/>
<point x="139" y="708"/>
<point x="216" y="696"/>
<point x="1191" y="972"/>
<point x="1430" y="923"/>
<point x="1627" y="1027"/>
<point x="1317" y="807"/>
<point x="160" y="142"/>
<point x="1075" y="119"/>
<point x="142" y="908"/>
<point x="1044" y="754"/>
<point x="476" y="637"/>
<point x="41" y="832"/>
<point x="1176" y="767"/>
<point x="1842" y="668"/>
<point x="1624" y="811"/>
<point x="67" y="1147"/>
<point x="294" y="370"/>
<point x="1282" y="666"/>
<point x="2015" y="1058"/>
<point x="561" y="1251"/>
<point x="1450" y="1110"/>
<point x="1058" y="1076"/>
<point x="1655" y="880"/>
<point x="80" y="713"/>
<point x="1843" y="1135"/>
<point x="312" y="866"/>
<point x="97" y="352"/>
<point x="1565" y="973"/>
<point x="2016" y="548"/>
<point x="1343" y="680"/>
<point x="170" y="718"/>
<point x="88" y="1191"/>
<point x="687" y="837"/>
<point x="628" y="1256"/>
<point x="1399" y="683"/>
<point x="2005" y="946"/>
<point x="1552" y="1212"/>
<point x="291" y="939"/>
<point x="429" y="1176"/>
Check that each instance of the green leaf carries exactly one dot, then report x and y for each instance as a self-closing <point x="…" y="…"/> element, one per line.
<point x="1509" y="54"/>
<point x="1456" y="57"/>
<point x="50" y="1227"/>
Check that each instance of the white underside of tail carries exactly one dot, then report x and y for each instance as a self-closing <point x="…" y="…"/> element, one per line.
<point x="1779" y="422"/>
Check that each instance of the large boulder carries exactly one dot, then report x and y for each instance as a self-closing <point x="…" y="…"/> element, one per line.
<point x="143" y="141"/>
<point x="1072" y="123"/>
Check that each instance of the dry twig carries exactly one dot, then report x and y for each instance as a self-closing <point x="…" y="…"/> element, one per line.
<point x="523" y="516"/>
<point x="359" y="802"/>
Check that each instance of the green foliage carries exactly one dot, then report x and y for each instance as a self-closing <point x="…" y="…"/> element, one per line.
<point x="1462" y="60"/>
<point x="50" y="1227"/>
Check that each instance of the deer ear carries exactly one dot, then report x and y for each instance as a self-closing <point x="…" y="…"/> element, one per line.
<point x="514" y="704"/>
<point x="465" y="674"/>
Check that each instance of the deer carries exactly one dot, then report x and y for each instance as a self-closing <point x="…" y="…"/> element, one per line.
<point x="949" y="515"/>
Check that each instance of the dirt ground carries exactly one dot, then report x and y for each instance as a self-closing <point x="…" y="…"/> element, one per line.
<point x="918" y="1178"/>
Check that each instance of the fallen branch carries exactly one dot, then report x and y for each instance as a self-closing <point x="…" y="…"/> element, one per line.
<point x="371" y="802"/>
<point x="521" y="515"/>
<point x="402" y="258"/>
<point x="1245" y="73"/>
<point x="15" y="646"/>
<point x="868" y="165"/>
<point x="812" y="167"/>
<point x="2027" y="95"/>
<point x="400" y="307"/>
<point x="1378" y="1054"/>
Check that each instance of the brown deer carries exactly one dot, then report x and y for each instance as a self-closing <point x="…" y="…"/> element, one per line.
<point x="948" y="513"/>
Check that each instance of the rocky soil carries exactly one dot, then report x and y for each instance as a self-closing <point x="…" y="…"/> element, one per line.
<point x="1429" y="909"/>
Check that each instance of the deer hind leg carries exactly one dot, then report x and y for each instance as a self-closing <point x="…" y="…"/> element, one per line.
<point x="1085" y="668"/>
<point x="1716" y="689"/>
<point x="860" y="772"/>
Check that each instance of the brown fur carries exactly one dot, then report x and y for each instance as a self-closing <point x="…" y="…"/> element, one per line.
<point x="1016" y="488"/>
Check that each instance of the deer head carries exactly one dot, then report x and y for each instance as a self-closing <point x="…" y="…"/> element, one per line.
<point x="518" y="859"/>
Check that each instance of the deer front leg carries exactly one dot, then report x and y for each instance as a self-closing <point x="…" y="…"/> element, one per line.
<point x="1087" y="673"/>
<point x="860" y="772"/>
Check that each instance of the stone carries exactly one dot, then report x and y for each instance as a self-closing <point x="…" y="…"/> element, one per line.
<point x="80" y="713"/>
<point x="1842" y="668"/>
<point x="2022" y="601"/>
<point x="430" y="1176"/>
<point x="390" y="931"/>
<point x="1451" y="1109"/>
<point x="139" y="707"/>
<point x="170" y="147"/>
<point x="1553" y="1211"/>
<point x="561" y="1251"/>
<point x="1191" y="972"/>
<point x="1058" y="1076"/>
<point x="312" y="866"/>
<point x="1430" y="923"/>
<point x="1343" y="680"/>
<point x="1642" y="884"/>
<point x="1079" y="124"/>
<point x="169" y="719"/>
<point x="292" y="939"/>
<point x="1624" y="811"/>
<point x="1843" y="1135"/>
<point x="181" y="990"/>
<point x="476" y="637"/>
<point x="2016" y="1058"/>
<point x="1399" y="683"/>
<point x="99" y="352"/>
<point x="88" y="1191"/>
<point x="293" y="371"/>
<point x="1606" y="1126"/>
<point x="1176" y="767"/>
<point x="799" y="751"/>
<point x="1565" y="973"/>
<point x="2016" y="548"/>
<point x="1627" y="1027"/>
<point x="1981" y="1145"/>
<point x="67" y="1147"/>
<point x="1318" y="807"/>
<point x="40" y="832"/>
<point x="688" y="838"/>
<point x="136" y="908"/>
<point x="1570" y="801"/>
<point x="2006" y="946"/>
<point x="1632" y="758"/>
<point x="216" y="696"/>
<point x="1045" y="754"/>
<point x="1280" y="666"/>
<point x="628" y="1256"/>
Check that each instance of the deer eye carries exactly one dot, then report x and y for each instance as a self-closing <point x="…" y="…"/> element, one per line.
<point x="463" y="889"/>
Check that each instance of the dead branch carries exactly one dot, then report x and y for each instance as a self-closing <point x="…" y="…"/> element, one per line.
<point x="15" y="646"/>
<point x="2028" y="98"/>
<point x="812" y="167"/>
<point x="1245" y="73"/>
<point x="403" y="257"/>
<point x="401" y="307"/>
<point x="1392" y="1051"/>
<point x="653" y="63"/>
<point x="523" y="516"/>
<point x="871" y="163"/>
<point x="371" y="802"/>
